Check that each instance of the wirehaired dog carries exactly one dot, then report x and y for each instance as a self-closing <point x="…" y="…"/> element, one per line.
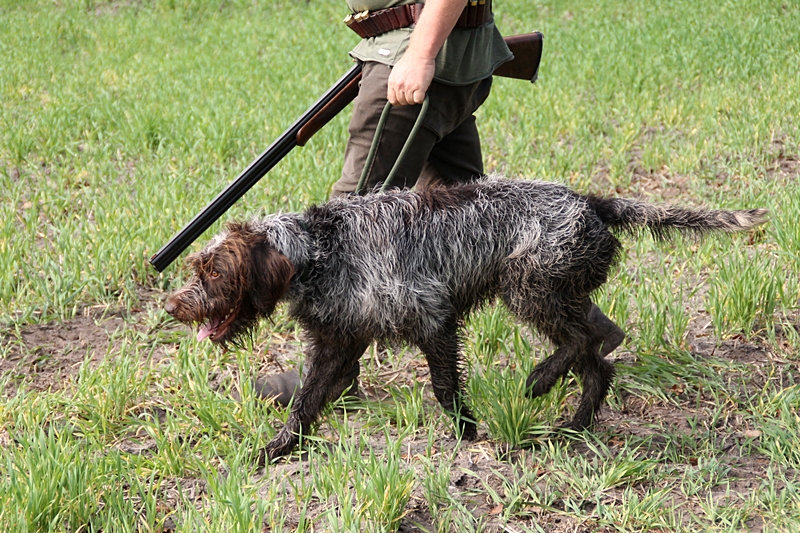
<point x="411" y="265"/>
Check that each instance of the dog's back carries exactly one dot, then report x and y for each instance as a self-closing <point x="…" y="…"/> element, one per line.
<point x="402" y="262"/>
<point x="410" y="260"/>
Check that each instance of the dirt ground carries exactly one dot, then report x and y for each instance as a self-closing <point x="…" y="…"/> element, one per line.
<point x="46" y="356"/>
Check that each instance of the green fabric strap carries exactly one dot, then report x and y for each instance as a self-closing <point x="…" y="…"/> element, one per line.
<point x="376" y="139"/>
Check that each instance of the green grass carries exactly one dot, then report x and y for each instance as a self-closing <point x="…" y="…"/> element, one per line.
<point x="120" y="120"/>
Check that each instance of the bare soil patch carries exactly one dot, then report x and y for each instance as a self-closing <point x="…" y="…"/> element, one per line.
<point x="45" y="356"/>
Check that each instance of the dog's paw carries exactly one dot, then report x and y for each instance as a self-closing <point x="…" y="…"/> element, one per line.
<point x="574" y="426"/>
<point x="281" y="445"/>
<point x="469" y="431"/>
<point x="535" y="386"/>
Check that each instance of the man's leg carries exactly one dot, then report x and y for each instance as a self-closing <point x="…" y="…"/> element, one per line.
<point x="605" y="329"/>
<point x="281" y="388"/>
<point x="455" y="159"/>
<point x="447" y="142"/>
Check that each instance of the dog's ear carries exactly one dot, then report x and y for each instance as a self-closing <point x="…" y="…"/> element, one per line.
<point x="271" y="272"/>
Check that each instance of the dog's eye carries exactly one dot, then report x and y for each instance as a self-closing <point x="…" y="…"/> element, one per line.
<point x="214" y="274"/>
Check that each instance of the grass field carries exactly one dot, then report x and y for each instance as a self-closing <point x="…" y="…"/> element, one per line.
<point x="120" y="120"/>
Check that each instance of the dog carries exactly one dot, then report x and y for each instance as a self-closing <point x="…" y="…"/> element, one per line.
<point x="411" y="266"/>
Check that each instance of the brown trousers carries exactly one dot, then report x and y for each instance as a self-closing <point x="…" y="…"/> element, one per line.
<point x="446" y="149"/>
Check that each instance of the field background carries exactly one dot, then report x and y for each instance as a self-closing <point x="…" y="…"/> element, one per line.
<point x="120" y="120"/>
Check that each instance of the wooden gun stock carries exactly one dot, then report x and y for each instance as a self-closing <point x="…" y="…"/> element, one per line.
<point x="331" y="109"/>
<point x="527" y="50"/>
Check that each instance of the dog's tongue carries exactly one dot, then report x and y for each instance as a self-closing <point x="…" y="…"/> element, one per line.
<point x="206" y="330"/>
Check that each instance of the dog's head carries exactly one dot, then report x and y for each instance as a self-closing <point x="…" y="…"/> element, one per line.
<point x="237" y="279"/>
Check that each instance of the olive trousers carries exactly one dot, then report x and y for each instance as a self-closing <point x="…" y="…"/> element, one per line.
<point x="446" y="149"/>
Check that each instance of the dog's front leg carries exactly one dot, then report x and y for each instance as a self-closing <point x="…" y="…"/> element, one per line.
<point x="327" y="360"/>
<point x="443" y="353"/>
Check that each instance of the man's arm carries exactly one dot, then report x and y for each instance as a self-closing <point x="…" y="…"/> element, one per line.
<point x="412" y="75"/>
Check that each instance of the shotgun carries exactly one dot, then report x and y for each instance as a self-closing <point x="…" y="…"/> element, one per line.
<point x="527" y="50"/>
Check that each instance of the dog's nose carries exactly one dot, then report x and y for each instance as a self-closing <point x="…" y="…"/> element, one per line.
<point x="169" y="307"/>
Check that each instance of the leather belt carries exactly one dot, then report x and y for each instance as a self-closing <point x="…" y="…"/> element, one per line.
<point x="371" y="24"/>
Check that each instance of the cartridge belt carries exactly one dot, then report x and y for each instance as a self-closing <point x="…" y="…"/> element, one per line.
<point x="371" y="24"/>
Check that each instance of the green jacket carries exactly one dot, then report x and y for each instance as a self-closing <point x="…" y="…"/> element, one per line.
<point x="468" y="55"/>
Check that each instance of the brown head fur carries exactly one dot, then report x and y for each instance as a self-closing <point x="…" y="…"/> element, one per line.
<point x="234" y="282"/>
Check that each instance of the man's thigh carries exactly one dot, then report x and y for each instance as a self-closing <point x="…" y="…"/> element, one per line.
<point x="456" y="158"/>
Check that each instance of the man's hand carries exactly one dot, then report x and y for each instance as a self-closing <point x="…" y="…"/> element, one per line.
<point x="409" y="80"/>
<point x="412" y="75"/>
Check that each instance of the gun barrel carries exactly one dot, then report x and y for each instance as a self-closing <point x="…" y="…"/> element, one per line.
<point x="527" y="51"/>
<point x="245" y="181"/>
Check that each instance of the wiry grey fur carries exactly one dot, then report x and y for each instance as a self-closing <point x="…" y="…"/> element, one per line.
<point x="411" y="265"/>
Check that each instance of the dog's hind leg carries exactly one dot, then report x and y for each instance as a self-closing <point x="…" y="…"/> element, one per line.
<point x="566" y="326"/>
<point x="443" y="353"/>
<point x="596" y="330"/>
<point x="329" y="360"/>
<point x="546" y="373"/>
<point x="596" y="375"/>
<point x="584" y="336"/>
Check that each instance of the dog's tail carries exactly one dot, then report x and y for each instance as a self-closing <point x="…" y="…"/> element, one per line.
<point x="630" y="215"/>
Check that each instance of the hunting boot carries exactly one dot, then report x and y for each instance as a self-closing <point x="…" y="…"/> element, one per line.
<point x="607" y="330"/>
<point x="281" y="388"/>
